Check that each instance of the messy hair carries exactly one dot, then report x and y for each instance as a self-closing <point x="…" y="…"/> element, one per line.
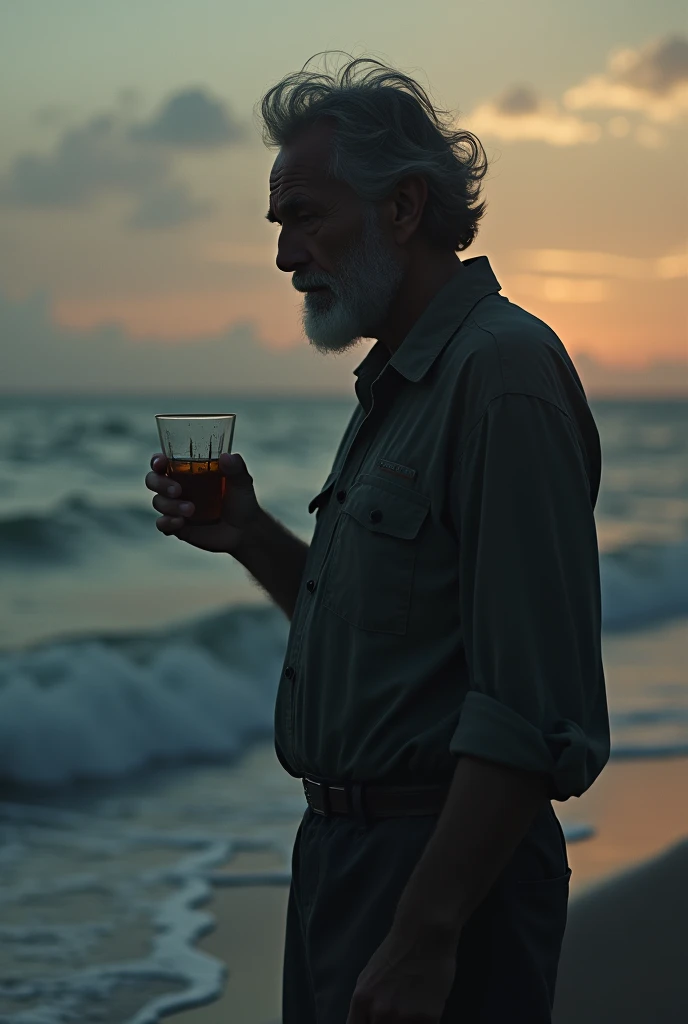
<point x="386" y="128"/>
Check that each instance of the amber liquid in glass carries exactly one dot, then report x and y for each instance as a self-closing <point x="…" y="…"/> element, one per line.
<point x="202" y="483"/>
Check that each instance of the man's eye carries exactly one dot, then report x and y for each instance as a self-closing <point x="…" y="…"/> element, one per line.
<point x="306" y="216"/>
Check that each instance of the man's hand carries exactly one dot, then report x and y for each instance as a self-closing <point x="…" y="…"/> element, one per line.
<point x="405" y="982"/>
<point x="240" y="508"/>
<point x="488" y="811"/>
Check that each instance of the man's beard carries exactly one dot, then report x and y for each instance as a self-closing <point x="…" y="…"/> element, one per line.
<point x="358" y="295"/>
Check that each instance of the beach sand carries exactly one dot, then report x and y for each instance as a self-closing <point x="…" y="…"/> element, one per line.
<point x="625" y="955"/>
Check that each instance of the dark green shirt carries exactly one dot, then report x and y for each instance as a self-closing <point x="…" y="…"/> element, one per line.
<point x="450" y="602"/>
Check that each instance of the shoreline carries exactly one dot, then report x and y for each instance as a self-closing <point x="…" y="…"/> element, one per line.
<point x="640" y="829"/>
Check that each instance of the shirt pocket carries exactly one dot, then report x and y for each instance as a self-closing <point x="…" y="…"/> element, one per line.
<point x="369" y="577"/>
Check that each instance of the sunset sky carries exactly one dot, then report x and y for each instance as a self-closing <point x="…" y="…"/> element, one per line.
<point x="133" y="180"/>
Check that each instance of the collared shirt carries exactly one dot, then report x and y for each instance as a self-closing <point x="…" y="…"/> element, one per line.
<point x="450" y="602"/>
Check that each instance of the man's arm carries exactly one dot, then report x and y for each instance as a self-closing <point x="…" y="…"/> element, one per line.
<point x="275" y="558"/>
<point x="533" y="725"/>
<point x="487" y="813"/>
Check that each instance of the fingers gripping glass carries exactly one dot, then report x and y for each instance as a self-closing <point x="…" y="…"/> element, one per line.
<point x="193" y="445"/>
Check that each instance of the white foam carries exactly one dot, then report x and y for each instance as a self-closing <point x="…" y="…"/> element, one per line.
<point x="106" y="708"/>
<point x="87" y="710"/>
<point x="104" y="848"/>
<point x="69" y="993"/>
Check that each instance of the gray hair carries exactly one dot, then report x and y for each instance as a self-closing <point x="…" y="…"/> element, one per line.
<point x="386" y="128"/>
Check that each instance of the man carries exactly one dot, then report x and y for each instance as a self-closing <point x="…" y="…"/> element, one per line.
<point x="443" y="679"/>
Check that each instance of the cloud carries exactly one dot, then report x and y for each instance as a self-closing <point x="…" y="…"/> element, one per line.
<point x="519" y="115"/>
<point x="602" y="264"/>
<point x="657" y="68"/>
<point x="652" y="80"/>
<point x="109" y="154"/>
<point x="51" y="115"/>
<point x="41" y="355"/>
<point x="573" y="275"/>
<point x="92" y="159"/>
<point x="167" y="205"/>
<point x="517" y="100"/>
<point x="190" y="120"/>
<point x="559" y="289"/>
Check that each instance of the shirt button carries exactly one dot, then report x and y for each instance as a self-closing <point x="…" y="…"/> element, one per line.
<point x="375" y="515"/>
<point x="310" y="586"/>
<point x="341" y="497"/>
<point x="289" y="672"/>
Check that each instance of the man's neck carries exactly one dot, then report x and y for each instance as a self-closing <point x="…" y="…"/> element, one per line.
<point x="421" y="283"/>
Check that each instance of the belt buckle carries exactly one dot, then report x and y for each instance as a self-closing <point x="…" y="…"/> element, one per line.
<point x="325" y="790"/>
<point x="326" y="801"/>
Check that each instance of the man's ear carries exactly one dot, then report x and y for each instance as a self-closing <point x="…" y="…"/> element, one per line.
<point x="409" y="198"/>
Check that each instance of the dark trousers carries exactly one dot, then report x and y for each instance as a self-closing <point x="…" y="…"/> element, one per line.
<point x="347" y="878"/>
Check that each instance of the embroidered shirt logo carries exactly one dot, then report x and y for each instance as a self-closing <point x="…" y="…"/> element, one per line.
<point x="397" y="469"/>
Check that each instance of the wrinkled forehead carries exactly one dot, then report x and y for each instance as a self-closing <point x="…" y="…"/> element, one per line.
<point x="304" y="161"/>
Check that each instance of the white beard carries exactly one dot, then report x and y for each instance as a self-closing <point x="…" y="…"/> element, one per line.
<point x="360" y="293"/>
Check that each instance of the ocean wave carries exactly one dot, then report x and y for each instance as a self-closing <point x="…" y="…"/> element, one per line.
<point x="61" y="535"/>
<point x="643" y="585"/>
<point x="103" y="708"/>
<point x="113" y="885"/>
<point x="70" y="435"/>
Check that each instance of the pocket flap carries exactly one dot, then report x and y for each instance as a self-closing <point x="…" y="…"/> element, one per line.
<point x="387" y="509"/>
<point x="324" y="493"/>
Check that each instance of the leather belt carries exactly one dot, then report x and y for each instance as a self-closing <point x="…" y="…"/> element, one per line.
<point x="367" y="800"/>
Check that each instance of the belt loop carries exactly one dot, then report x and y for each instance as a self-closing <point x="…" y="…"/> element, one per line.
<point x="325" y="790"/>
<point x="357" y="802"/>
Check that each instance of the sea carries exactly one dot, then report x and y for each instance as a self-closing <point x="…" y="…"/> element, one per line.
<point x="138" y="677"/>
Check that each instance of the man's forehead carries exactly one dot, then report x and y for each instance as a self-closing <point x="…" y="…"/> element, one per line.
<point x="306" y="158"/>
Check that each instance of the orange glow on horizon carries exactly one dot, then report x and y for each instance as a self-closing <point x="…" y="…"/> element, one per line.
<point x="185" y="316"/>
<point x="604" y="330"/>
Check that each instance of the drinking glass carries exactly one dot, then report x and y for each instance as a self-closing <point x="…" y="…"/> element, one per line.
<point x="193" y="444"/>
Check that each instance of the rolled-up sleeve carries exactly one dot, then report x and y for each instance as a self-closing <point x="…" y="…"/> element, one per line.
<point x="529" y="594"/>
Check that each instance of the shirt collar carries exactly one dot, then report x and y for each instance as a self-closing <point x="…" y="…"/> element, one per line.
<point x="440" y="319"/>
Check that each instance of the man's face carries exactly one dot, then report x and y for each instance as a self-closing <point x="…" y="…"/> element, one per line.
<point x="332" y="244"/>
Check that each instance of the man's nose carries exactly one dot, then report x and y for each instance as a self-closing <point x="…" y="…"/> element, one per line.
<point x="291" y="257"/>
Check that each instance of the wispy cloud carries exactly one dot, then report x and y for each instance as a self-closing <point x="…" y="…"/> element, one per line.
<point x="602" y="264"/>
<point x="580" y="276"/>
<point x="113" y="154"/>
<point x="555" y="288"/>
<point x="44" y="355"/>
<point x="651" y="82"/>
<point x="519" y="114"/>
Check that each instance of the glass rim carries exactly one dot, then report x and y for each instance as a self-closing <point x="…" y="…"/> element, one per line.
<point x="195" y="416"/>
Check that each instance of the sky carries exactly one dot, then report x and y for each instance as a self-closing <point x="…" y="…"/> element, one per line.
<point x="134" y="182"/>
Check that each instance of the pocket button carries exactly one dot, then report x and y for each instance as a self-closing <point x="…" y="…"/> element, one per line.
<point x="341" y="497"/>
<point x="375" y="515"/>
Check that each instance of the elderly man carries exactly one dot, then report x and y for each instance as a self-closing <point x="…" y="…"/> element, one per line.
<point x="443" y="680"/>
